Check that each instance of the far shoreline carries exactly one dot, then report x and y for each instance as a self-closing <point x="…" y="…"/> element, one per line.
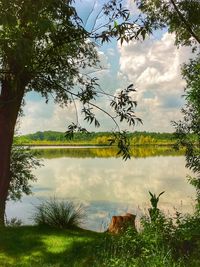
<point x="90" y="145"/>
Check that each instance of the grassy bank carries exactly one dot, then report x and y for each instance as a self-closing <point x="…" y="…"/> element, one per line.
<point x="159" y="244"/>
<point x="31" y="246"/>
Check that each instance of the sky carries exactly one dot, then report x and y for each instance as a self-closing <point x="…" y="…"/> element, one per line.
<point x="153" y="66"/>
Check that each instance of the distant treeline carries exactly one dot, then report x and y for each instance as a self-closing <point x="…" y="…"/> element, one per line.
<point x="93" y="138"/>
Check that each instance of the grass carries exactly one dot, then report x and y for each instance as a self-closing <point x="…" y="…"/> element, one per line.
<point x="59" y="214"/>
<point x="31" y="246"/>
<point x="162" y="241"/>
<point x="159" y="244"/>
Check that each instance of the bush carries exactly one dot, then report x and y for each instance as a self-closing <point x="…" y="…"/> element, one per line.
<point x="187" y="235"/>
<point x="59" y="214"/>
<point x="158" y="243"/>
<point x="13" y="222"/>
<point x="136" y="250"/>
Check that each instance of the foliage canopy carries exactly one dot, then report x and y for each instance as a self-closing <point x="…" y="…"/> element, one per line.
<point x="45" y="48"/>
<point x="191" y="122"/>
<point x="180" y="17"/>
<point x="23" y="161"/>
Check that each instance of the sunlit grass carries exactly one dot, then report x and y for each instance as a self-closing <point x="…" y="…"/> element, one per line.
<point x="32" y="246"/>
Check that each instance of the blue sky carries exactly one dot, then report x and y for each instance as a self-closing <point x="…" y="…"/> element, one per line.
<point x="153" y="66"/>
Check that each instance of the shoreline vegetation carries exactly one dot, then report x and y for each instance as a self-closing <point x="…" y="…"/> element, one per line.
<point x="52" y="144"/>
<point x="53" y="138"/>
<point x="54" y="241"/>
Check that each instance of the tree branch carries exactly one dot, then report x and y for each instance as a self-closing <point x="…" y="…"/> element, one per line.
<point x="187" y="24"/>
<point x="77" y="118"/>
<point x="97" y="107"/>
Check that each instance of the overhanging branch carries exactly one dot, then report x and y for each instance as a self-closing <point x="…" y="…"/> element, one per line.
<point x="187" y="24"/>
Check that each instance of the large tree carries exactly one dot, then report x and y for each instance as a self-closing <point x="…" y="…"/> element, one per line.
<point x="44" y="47"/>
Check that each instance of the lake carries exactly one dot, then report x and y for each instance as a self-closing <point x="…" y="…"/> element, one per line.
<point x="106" y="185"/>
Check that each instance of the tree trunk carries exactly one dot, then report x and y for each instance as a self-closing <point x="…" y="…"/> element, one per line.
<point x="10" y="102"/>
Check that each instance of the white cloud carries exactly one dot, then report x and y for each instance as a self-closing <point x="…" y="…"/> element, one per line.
<point x="40" y="116"/>
<point x="154" y="67"/>
<point x="132" y="7"/>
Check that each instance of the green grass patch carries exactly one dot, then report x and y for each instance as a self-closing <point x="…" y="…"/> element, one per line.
<point x="159" y="244"/>
<point x="33" y="246"/>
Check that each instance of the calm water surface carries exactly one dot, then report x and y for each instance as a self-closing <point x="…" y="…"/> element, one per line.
<point x="106" y="185"/>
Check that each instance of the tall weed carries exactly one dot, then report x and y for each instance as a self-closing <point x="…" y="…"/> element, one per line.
<point x="59" y="214"/>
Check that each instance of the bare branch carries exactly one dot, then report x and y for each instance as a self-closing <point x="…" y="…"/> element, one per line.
<point x="76" y="111"/>
<point x="90" y="13"/>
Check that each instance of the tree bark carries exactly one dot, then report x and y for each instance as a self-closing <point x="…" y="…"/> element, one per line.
<point x="10" y="102"/>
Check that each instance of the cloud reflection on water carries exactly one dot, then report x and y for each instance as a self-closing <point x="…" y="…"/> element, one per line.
<point x="109" y="186"/>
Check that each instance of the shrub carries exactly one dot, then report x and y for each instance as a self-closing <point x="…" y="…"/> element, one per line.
<point x="153" y="245"/>
<point x="13" y="222"/>
<point x="136" y="250"/>
<point x="187" y="235"/>
<point x="59" y="214"/>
